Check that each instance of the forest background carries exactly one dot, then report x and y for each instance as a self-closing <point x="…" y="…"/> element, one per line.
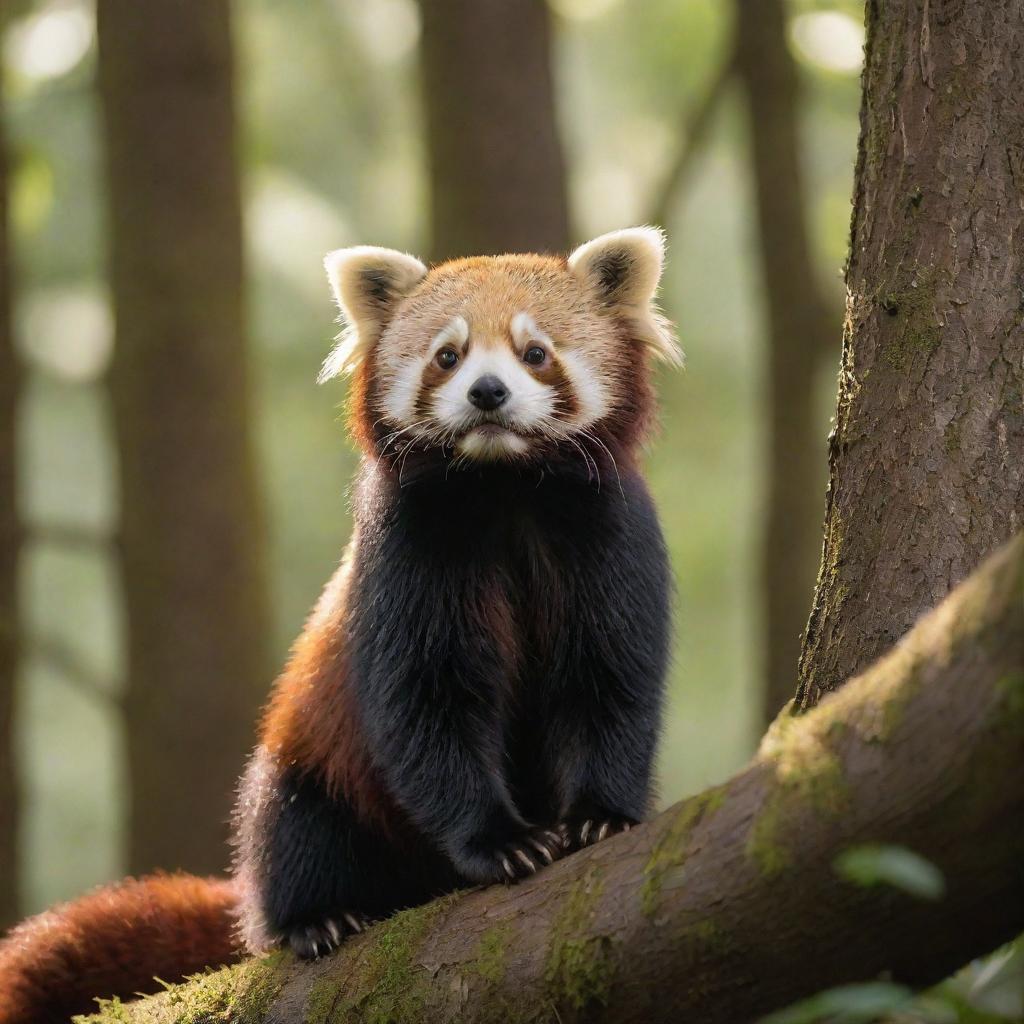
<point x="348" y="129"/>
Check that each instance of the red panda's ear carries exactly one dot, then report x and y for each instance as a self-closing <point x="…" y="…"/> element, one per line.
<point x="368" y="283"/>
<point x="622" y="269"/>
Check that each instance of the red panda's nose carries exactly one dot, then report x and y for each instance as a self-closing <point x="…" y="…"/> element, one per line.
<point x="488" y="393"/>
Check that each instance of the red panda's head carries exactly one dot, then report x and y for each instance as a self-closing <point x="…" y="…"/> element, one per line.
<point x="501" y="357"/>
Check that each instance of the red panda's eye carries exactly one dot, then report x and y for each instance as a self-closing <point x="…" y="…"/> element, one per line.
<point x="534" y="355"/>
<point x="446" y="358"/>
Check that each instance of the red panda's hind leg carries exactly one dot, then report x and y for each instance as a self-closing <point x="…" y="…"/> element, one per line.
<point x="313" y="871"/>
<point x="310" y="942"/>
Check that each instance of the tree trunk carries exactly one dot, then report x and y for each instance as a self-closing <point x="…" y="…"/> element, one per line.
<point x="927" y="455"/>
<point x="9" y="546"/>
<point x="709" y="913"/>
<point x="497" y="173"/>
<point x="800" y="329"/>
<point x="192" y="570"/>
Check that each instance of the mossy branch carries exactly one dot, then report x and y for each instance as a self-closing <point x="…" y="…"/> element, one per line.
<point x="728" y="905"/>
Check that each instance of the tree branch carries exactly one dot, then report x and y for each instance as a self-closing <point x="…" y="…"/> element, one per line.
<point x="714" y="910"/>
<point x="695" y="132"/>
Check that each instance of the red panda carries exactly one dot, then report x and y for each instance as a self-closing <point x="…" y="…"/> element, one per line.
<point x="479" y="689"/>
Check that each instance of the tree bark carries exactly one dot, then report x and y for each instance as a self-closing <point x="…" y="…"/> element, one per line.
<point x="800" y="327"/>
<point x="10" y="542"/>
<point x="497" y="173"/>
<point x="191" y="529"/>
<point x="707" y="912"/>
<point x="927" y="455"/>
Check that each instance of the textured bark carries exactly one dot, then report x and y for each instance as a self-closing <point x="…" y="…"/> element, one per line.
<point x="9" y="547"/>
<point x="800" y="332"/>
<point x="497" y="173"/>
<point x="192" y="572"/>
<point x="709" y="912"/>
<point x="927" y="456"/>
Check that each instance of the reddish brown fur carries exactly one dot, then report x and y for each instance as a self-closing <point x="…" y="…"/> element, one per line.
<point x="315" y="688"/>
<point x="552" y="373"/>
<point x="116" y="939"/>
<point x="498" y="287"/>
<point x="361" y="423"/>
<point x="433" y="377"/>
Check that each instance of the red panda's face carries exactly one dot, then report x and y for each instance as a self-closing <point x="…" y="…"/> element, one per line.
<point x="498" y="358"/>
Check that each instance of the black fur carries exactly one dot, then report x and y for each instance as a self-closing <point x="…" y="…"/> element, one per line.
<point x="379" y="286"/>
<point x="509" y="636"/>
<point x="613" y="270"/>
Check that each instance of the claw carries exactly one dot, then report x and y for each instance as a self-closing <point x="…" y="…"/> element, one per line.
<point x="542" y="850"/>
<point x="334" y="932"/>
<point x="507" y="865"/>
<point x="585" y="831"/>
<point x="353" y="923"/>
<point x="555" y="837"/>
<point x="524" y="860"/>
<point x="603" y="831"/>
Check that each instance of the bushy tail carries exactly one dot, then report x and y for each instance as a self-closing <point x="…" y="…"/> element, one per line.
<point x="115" y="941"/>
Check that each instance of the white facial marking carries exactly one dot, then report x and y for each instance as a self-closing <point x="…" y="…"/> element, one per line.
<point x="478" y="444"/>
<point x="530" y="407"/>
<point x="399" y="400"/>
<point x="585" y="378"/>
<point x="529" y="400"/>
<point x="525" y="330"/>
<point x="455" y="333"/>
<point x="588" y="384"/>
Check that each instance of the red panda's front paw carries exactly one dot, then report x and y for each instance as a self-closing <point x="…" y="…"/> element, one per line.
<point x="578" y="834"/>
<point x="310" y="942"/>
<point x="515" y="859"/>
<point x="522" y="857"/>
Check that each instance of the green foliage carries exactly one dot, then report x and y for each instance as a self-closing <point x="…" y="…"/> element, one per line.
<point x="848" y="1004"/>
<point x="877" y="864"/>
<point x="988" y="991"/>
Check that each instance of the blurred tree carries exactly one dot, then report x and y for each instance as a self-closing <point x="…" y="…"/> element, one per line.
<point x="799" y="330"/>
<point x="192" y="567"/>
<point x="10" y="633"/>
<point x="699" y="120"/>
<point x="927" y="455"/>
<point x="497" y="171"/>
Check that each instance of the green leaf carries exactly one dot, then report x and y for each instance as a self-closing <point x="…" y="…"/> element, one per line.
<point x="877" y="864"/>
<point x="848" y="1004"/>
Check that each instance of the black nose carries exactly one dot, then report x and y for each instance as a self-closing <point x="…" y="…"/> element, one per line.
<point x="488" y="393"/>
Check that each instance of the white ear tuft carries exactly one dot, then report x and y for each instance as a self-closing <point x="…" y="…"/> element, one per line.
<point x="368" y="283"/>
<point x="623" y="268"/>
